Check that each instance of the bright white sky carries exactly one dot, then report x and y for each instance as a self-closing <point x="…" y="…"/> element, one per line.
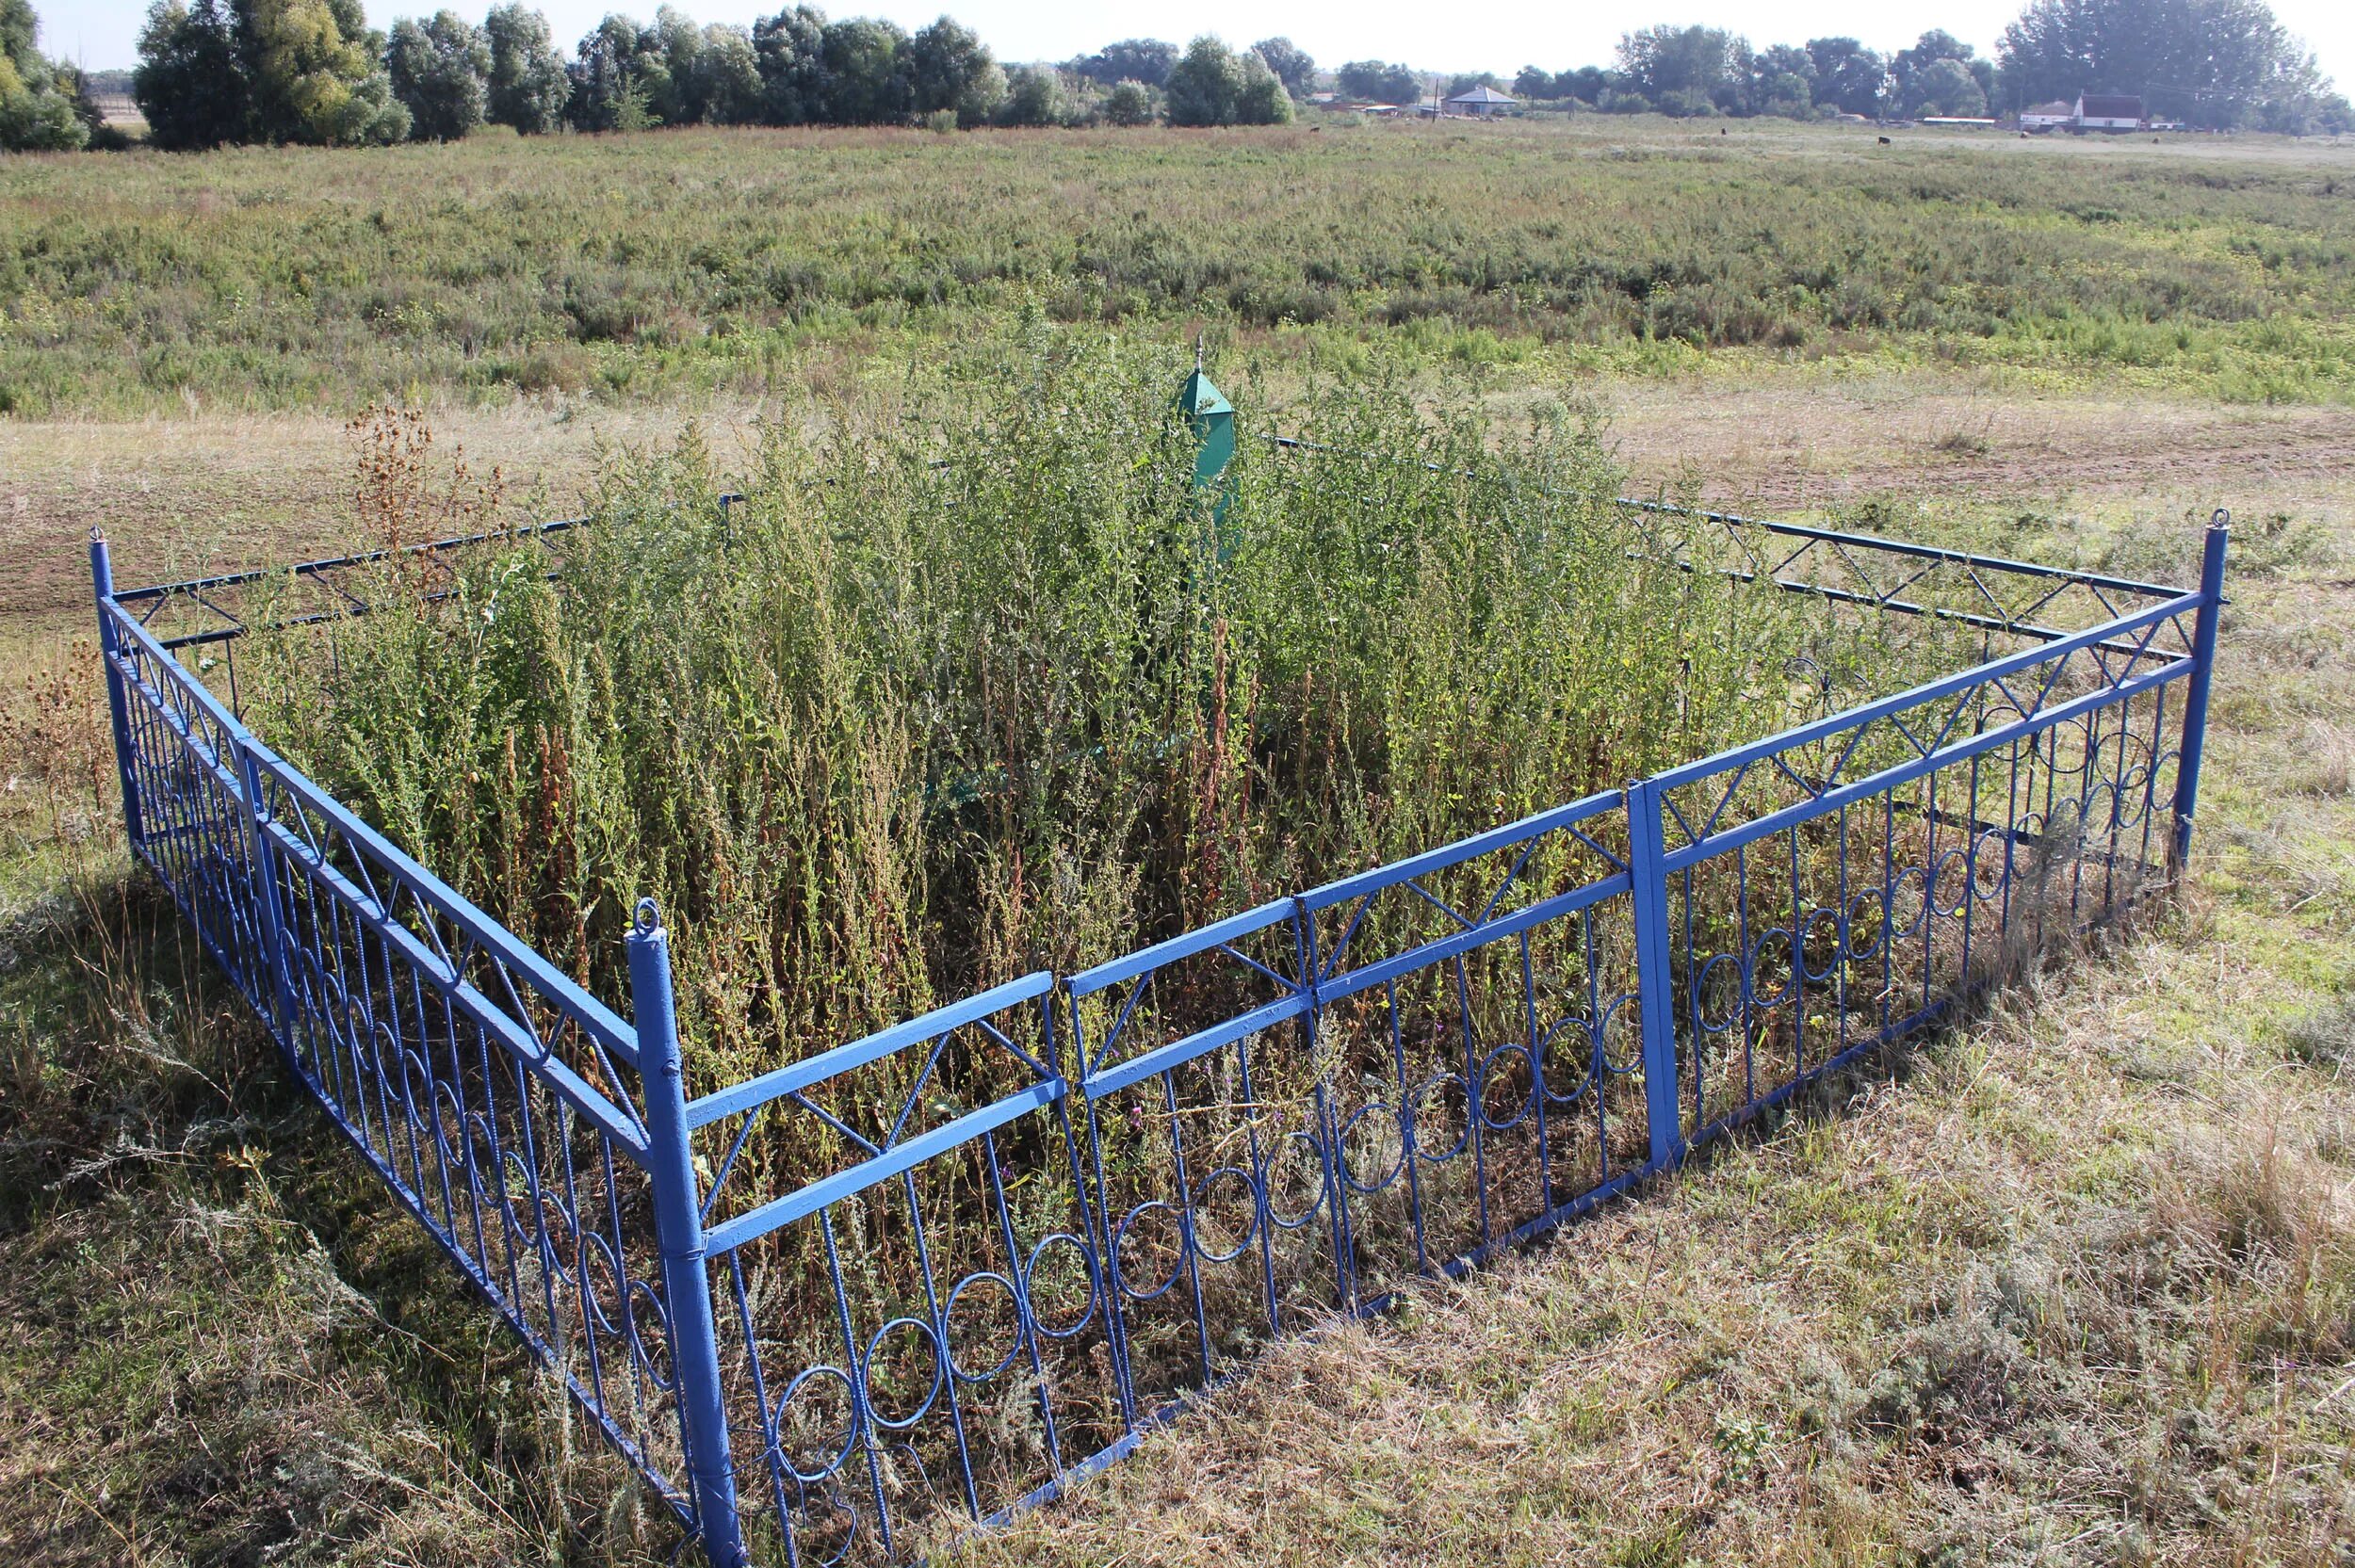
<point x="1502" y="36"/>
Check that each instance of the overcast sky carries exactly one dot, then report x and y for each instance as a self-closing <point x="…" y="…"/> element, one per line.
<point x="1502" y="36"/>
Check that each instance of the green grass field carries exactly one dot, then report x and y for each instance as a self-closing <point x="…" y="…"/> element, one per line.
<point x="272" y="279"/>
<point x="2073" y="1283"/>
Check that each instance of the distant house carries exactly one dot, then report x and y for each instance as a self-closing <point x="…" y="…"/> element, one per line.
<point x="2108" y="111"/>
<point x="1481" y="101"/>
<point x="2092" y="111"/>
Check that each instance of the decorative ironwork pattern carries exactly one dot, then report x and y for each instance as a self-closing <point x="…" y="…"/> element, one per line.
<point x="1214" y="1140"/>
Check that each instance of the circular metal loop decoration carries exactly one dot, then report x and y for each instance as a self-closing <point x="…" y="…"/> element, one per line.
<point x="641" y="1298"/>
<point x="417" y="1086"/>
<point x="510" y="1203"/>
<point x="1909" y="902"/>
<point x="597" y="1253"/>
<point x="1771" y="980"/>
<point x="1867" y="922"/>
<point x="1384" y="1129"/>
<point x="1285" y="1149"/>
<point x="1013" y="1316"/>
<point x="1577" y="1035"/>
<point x="1718" y="994"/>
<point x="777" y="1417"/>
<point x="1991" y="869"/>
<point x="2101" y="807"/>
<point x="1512" y="1054"/>
<point x="1438" y="1083"/>
<point x="1824" y="931"/>
<point x="931" y="1392"/>
<point x="1086" y="1260"/>
<point x="1120" y="1243"/>
<point x="1622" y="1023"/>
<point x="449" y="1124"/>
<point x="1234" y="1175"/>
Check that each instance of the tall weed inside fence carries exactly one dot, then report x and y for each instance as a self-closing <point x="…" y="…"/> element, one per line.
<point x="975" y="684"/>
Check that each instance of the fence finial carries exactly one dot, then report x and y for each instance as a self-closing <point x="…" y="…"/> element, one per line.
<point x="649" y="917"/>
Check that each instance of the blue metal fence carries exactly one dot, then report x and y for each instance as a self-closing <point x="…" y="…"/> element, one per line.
<point x="1217" y="1140"/>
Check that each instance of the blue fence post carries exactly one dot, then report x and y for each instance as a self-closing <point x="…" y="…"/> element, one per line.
<point x="679" y="1232"/>
<point x="1648" y="877"/>
<point x="2195" y="691"/>
<point x="101" y="576"/>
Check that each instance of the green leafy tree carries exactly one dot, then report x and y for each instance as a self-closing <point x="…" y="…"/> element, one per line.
<point x="1693" y="69"/>
<point x="1944" y="86"/>
<point x="727" y="77"/>
<point x="1848" y="77"/>
<point x="1129" y="104"/>
<point x="439" y="71"/>
<point x="527" y="86"/>
<point x="1211" y="85"/>
<point x="951" y="69"/>
<point x="790" y="49"/>
<point x="1035" y="97"/>
<point x="2212" y="62"/>
<point x="37" y="96"/>
<point x="1261" y="100"/>
<point x="867" y="73"/>
<point x="1293" y="65"/>
<point x="1135" y="59"/>
<point x="1379" y="82"/>
<point x="1204" y="84"/>
<point x="670" y="65"/>
<point x="606" y="93"/>
<point x="190" y="85"/>
<point x="314" y="73"/>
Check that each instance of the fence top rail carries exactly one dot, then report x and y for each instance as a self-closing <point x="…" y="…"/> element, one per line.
<point x="517" y="956"/>
<point x="1534" y="825"/>
<point x="330" y="563"/>
<point x="795" y="1076"/>
<point x="1835" y="536"/>
<point x="1219" y="932"/>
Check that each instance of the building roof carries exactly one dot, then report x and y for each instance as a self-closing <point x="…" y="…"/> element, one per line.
<point x="2110" y="105"/>
<point x="1484" y="95"/>
<point x="2056" y="109"/>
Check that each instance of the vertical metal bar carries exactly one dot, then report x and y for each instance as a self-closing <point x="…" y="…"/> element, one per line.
<point x="1654" y="1005"/>
<point x="678" y="1230"/>
<point x="265" y="858"/>
<point x="102" y="577"/>
<point x="2195" y="693"/>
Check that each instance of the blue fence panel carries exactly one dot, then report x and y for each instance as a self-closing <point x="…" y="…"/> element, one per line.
<point x="487" y="1090"/>
<point x="918" y="1339"/>
<point x="1843" y="884"/>
<point x="1476" y="1015"/>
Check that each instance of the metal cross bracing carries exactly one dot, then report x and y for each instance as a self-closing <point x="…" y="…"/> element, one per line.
<point x="853" y="1306"/>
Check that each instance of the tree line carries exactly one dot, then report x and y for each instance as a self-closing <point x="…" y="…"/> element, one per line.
<point x="310" y="70"/>
<point x="214" y="72"/>
<point x="2215" y="64"/>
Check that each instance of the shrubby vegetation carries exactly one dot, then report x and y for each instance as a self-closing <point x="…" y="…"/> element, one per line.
<point x="45" y="106"/>
<point x="976" y="682"/>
